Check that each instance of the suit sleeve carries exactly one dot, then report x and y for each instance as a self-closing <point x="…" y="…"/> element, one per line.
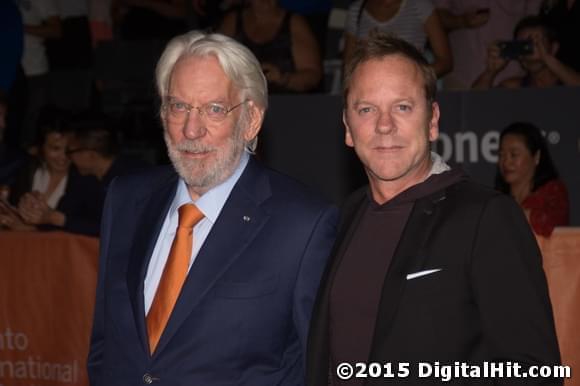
<point x="312" y="265"/>
<point x="511" y="292"/>
<point x="95" y="359"/>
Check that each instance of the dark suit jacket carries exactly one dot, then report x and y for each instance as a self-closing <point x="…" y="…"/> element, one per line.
<point x="489" y="302"/>
<point x="244" y="311"/>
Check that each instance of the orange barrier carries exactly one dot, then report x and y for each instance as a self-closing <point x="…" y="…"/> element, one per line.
<point x="47" y="289"/>
<point x="561" y="254"/>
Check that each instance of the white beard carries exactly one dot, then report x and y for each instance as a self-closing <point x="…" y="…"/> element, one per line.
<point x="204" y="174"/>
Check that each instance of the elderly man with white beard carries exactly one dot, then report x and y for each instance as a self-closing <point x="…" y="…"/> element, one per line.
<point x="208" y="270"/>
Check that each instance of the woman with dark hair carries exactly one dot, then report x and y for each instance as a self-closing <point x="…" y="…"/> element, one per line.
<point x="527" y="173"/>
<point x="47" y="171"/>
<point x="48" y="193"/>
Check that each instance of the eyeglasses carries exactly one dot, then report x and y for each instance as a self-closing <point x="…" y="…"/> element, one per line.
<point x="179" y="111"/>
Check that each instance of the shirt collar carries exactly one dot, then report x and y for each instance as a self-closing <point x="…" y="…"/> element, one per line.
<point x="438" y="166"/>
<point x="212" y="201"/>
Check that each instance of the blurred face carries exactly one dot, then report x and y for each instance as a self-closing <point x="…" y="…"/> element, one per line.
<point x="516" y="163"/>
<point x="389" y="122"/>
<point x="54" y="153"/>
<point x="205" y="152"/>
<point x="81" y="157"/>
<point x="533" y="62"/>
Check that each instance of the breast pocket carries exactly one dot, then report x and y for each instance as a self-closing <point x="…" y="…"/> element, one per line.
<point x="244" y="290"/>
<point x="436" y="290"/>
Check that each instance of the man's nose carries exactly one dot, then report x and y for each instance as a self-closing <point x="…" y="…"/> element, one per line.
<point x="385" y="123"/>
<point x="194" y="125"/>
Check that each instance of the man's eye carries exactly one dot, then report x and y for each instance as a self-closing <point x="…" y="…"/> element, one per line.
<point x="365" y="110"/>
<point x="178" y="107"/>
<point x="215" y="109"/>
<point x="404" y="108"/>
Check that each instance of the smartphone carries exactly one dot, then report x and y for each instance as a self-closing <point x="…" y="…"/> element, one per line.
<point x="513" y="49"/>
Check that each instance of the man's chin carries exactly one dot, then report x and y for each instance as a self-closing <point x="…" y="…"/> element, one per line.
<point x="207" y="169"/>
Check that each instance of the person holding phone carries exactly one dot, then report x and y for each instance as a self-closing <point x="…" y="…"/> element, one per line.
<point x="541" y="66"/>
<point x="472" y="25"/>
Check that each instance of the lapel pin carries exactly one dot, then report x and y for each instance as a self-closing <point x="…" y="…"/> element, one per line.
<point x="246" y="218"/>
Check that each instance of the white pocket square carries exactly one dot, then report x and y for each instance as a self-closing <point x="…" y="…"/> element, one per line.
<point x="422" y="273"/>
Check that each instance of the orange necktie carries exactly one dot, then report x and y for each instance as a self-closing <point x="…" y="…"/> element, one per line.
<point x="173" y="275"/>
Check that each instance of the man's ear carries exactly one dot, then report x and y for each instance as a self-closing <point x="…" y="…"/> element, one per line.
<point x="255" y="119"/>
<point x="347" y="134"/>
<point x="434" y="122"/>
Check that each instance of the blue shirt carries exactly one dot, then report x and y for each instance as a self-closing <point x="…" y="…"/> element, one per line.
<point x="210" y="204"/>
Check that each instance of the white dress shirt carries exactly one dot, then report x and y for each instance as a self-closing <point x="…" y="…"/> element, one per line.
<point x="210" y="204"/>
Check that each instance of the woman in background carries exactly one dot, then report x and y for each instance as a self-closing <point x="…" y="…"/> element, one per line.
<point x="415" y="21"/>
<point x="282" y="42"/>
<point x="527" y="173"/>
<point x="46" y="173"/>
<point x="48" y="193"/>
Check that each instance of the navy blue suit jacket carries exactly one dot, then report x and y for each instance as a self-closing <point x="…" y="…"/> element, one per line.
<point x="243" y="314"/>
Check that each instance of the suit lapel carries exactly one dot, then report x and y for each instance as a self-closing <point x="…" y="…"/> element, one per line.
<point x="409" y="256"/>
<point x="151" y="214"/>
<point x="240" y="220"/>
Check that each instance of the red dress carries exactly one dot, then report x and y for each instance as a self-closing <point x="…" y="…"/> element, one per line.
<point x="547" y="207"/>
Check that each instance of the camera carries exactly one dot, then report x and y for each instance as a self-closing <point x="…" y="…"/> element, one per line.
<point x="513" y="49"/>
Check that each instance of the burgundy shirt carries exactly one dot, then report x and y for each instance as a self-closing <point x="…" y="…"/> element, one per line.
<point x="357" y="287"/>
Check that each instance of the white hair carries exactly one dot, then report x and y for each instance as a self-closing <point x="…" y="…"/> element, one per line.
<point x="237" y="61"/>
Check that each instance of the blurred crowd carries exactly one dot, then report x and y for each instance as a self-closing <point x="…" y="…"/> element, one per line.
<point x="80" y="54"/>
<point x="94" y="59"/>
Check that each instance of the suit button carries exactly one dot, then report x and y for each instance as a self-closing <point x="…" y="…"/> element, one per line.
<point x="147" y="379"/>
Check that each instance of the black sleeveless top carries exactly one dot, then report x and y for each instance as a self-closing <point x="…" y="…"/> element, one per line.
<point x="277" y="51"/>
